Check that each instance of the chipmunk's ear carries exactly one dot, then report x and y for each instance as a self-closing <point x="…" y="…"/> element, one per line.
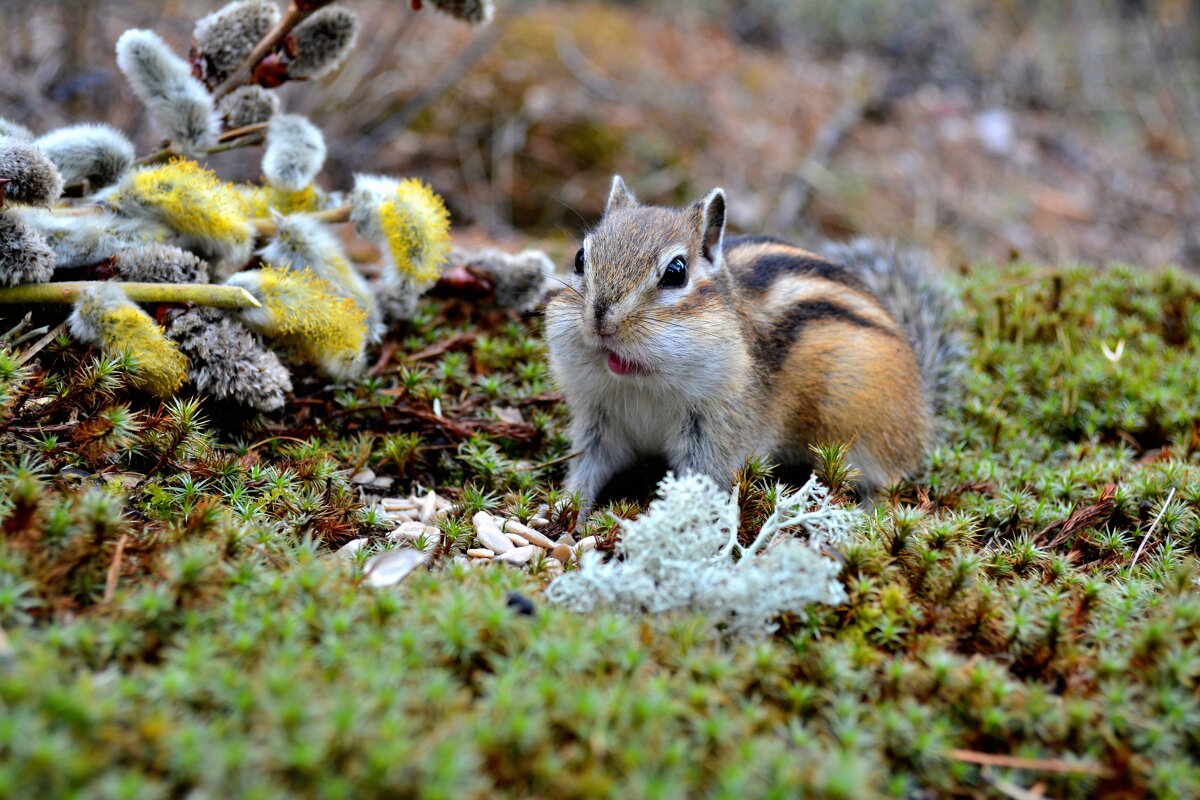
<point x="619" y="196"/>
<point x="711" y="223"/>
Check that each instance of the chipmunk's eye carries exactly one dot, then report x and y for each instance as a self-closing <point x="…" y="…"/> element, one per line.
<point x="579" y="262"/>
<point x="675" y="274"/>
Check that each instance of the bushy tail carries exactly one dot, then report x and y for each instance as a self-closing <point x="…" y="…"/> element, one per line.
<point x="902" y="281"/>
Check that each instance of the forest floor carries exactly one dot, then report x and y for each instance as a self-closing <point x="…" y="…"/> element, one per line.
<point x="1021" y="619"/>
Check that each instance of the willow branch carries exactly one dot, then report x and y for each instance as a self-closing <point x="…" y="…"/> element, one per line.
<point x="201" y="294"/>
<point x="244" y="138"/>
<point x="265" y="226"/>
<point x="297" y="12"/>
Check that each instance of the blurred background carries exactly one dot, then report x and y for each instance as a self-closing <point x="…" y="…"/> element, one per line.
<point x="986" y="130"/>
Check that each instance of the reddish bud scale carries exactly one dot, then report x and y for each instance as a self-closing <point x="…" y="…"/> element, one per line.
<point x="272" y="71"/>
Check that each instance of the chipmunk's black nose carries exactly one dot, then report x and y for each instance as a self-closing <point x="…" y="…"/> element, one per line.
<point x="600" y="312"/>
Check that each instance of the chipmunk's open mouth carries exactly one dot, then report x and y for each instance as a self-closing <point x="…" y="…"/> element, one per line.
<point x="621" y="366"/>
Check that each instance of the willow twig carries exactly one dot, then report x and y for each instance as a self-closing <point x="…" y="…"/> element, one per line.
<point x="297" y="11"/>
<point x="201" y="294"/>
<point x="267" y="226"/>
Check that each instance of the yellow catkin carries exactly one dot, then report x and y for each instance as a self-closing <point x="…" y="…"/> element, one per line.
<point x="416" y="227"/>
<point x="189" y="199"/>
<point x="307" y="314"/>
<point x="260" y="201"/>
<point x="162" y="369"/>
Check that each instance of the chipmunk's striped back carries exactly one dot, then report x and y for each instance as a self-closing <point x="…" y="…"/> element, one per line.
<point x="842" y="366"/>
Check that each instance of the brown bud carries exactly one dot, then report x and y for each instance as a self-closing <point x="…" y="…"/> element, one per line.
<point x="272" y="71"/>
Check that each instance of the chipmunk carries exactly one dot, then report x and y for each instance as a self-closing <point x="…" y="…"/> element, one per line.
<point x="670" y="339"/>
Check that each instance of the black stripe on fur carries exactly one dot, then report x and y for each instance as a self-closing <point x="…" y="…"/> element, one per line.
<point x="771" y="351"/>
<point x="764" y="270"/>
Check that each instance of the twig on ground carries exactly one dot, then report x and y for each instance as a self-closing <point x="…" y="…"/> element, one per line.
<point x="1037" y="764"/>
<point x="449" y="343"/>
<point x="37" y="346"/>
<point x="114" y="570"/>
<point x="1153" y="527"/>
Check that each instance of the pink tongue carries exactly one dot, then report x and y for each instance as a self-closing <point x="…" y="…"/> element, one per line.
<point x="620" y="366"/>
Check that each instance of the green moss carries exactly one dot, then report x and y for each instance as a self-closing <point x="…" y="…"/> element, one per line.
<point x="993" y="603"/>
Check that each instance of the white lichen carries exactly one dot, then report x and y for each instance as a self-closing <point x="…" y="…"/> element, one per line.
<point x="682" y="555"/>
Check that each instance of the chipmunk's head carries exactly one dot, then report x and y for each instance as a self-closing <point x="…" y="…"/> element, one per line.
<point x="648" y="294"/>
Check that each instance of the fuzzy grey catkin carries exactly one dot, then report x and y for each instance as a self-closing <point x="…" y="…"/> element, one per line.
<point x="520" y="280"/>
<point x="901" y="279"/>
<point x="472" y="11"/>
<point x="294" y="154"/>
<point x="164" y="82"/>
<point x="98" y="154"/>
<point x="398" y="298"/>
<point x="80" y="241"/>
<point x="159" y="263"/>
<point x="32" y="178"/>
<point x="228" y="362"/>
<point x="14" y="131"/>
<point x="226" y="36"/>
<point x="24" y="255"/>
<point x="300" y="242"/>
<point x="322" y="42"/>
<point x="247" y="105"/>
